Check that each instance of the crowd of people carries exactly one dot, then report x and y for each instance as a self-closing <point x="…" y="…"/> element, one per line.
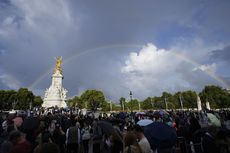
<point x="59" y="131"/>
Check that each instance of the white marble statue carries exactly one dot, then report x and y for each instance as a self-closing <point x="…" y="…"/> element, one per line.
<point x="55" y="95"/>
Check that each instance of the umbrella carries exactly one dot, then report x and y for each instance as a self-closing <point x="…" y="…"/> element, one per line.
<point x="114" y="121"/>
<point x="31" y="123"/>
<point x="213" y="120"/>
<point x="122" y="115"/>
<point x="140" y="113"/>
<point x="144" y="122"/>
<point x="163" y="112"/>
<point x="106" y="127"/>
<point x="160" y="135"/>
<point x="18" y="121"/>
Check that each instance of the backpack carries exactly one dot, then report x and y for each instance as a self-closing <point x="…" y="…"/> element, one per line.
<point x="85" y="134"/>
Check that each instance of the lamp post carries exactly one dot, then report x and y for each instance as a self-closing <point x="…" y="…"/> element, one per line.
<point x="139" y="106"/>
<point x="152" y="103"/>
<point x="131" y="98"/>
<point x="181" y="102"/>
<point x="31" y="104"/>
<point x="166" y="103"/>
<point x="85" y="104"/>
<point x="14" y="103"/>
<point x="111" y="106"/>
<point x="131" y="95"/>
<point x="123" y="107"/>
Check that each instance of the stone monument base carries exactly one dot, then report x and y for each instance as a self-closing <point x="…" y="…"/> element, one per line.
<point x="52" y="103"/>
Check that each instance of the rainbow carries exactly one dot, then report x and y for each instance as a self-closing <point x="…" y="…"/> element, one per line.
<point x="85" y="52"/>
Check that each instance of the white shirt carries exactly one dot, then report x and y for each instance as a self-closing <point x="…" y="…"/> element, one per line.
<point x="145" y="146"/>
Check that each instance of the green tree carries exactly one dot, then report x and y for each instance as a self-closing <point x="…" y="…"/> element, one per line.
<point x="216" y="96"/>
<point x="169" y="99"/>
<point x="189" y="99"/>
<point x="75" y="102"/>
<point x="37" y="101"/>
<point x="159" y="102"/>
<point x="69" y="102"/>
<point x="13" y="100"/>
<point x="24" y="98"/>
<point x="93" y="99"/>
<point x="105" y="106"/>
<point x="148" y="103"/>
<point x="116" y="107"/>
<point x="133" y="104"/>
<point x="7" y="98"/>
<point x="122" y="102"/>
<point x="178" y="100"/>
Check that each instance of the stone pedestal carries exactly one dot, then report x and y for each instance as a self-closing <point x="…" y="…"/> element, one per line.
<point x="208" y="105"/>
<point x="55" y="95"/>
<point x="199" y="107"/>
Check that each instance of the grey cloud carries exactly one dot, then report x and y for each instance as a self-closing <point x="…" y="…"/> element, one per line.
<point x="221" y="55"/>
<point x="67" y="28"/>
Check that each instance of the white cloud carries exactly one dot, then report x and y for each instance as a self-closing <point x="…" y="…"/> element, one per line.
<point x="46" y="19"/>
<point x="210" y="68"/>
<point x="150" y="60"/>
<point x="152" y="71"/>
<point x="32" y="32"/>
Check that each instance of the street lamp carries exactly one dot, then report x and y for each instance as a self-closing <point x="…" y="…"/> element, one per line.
<point x="31" y="104"/>
<point x="111" y="106"/>
<point x="166" y="103"/>
<point x="123" y="107"/>
<point x="139" y="106"/>
<point x="152" y="103"/>
<point x="14" y="103"/>
<point x="181" y="102"/>
<point x="131" y="95"/>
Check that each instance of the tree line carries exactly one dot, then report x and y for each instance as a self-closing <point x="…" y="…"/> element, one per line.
<point x="94" y="99"/>
<point x="20" y="100"/>
<point x="215" y="95"/>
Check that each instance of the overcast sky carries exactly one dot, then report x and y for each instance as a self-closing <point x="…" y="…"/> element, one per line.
<point x="146" y="46"/>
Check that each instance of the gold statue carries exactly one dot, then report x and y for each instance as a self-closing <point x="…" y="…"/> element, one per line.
<point x="58" y="65"/>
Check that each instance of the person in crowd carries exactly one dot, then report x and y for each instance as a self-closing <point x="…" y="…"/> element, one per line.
<point x="85" y="137"/>
<point x="59" y="137"/>
<point x="97" y="137"/>
<point x="6" y="132"/>
<point x="188" y="124"/>
<point x="116" y="142"/>
<point x="73" y="138"/>
<point x="131" y="145"/>
<point x="5" y="146"/>
<point x="8" y="126"/>
<point x="128" y="126"/>
<point x="52" y="126"/>
<point x="20" y="144"/>
<point x="49" y="148"/>
<point x="194" y="124"/>
<point x="142" y="140"/>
